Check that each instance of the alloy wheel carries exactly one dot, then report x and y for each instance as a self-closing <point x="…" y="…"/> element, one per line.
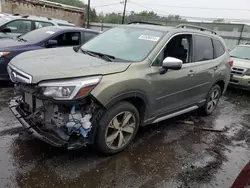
<point x="120" y="130"/>
<point x="213" y="100"/>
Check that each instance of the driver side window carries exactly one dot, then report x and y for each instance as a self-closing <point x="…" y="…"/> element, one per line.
<point x="178" y="47"/>
<point x="19" y="26"/>
<point x="68" y="39"/>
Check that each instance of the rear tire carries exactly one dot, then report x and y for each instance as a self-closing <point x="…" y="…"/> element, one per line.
<point x="117" y="128"/>
<point x="212" y="100"/>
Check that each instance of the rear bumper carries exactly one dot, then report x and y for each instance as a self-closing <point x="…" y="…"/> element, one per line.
<point x="37" y="132"/>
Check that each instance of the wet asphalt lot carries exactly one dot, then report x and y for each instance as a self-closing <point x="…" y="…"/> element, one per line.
<point x="170" y="154"/>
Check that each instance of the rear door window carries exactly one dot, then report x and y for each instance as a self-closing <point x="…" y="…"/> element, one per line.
<point x="203" y="48"/>
<point x="39" y="24"/>
<point x="19" y="26"/>
<point x="88" y="36"/>
<point x="219" y="50"/>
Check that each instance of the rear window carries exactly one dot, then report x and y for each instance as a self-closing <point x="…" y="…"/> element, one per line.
<point x="66" y="25"/>
<point x="203" y="48"/>
<point x="89" y="35"/>
<point x="219" y="50"/>
<point x="39" y="24"/>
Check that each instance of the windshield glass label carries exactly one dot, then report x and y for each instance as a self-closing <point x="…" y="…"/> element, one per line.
<point x="147" y="37"/>
<point x="50" y="32"/>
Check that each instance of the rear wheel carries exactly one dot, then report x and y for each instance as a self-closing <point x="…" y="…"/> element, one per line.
<point x="212" y="100"/>
<point x="117" y="128"/>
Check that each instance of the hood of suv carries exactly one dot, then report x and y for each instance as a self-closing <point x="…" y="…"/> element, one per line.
<point x="242" y="63"/>
<point x="11" y="44"/>
<point x="59" y="63"/>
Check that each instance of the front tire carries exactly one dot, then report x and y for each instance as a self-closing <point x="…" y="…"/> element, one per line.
<point x="212" y="100"/>
<point x="117" y="128"/>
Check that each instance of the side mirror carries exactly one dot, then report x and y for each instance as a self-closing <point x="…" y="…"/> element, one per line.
<point x="76" y="48"/>
<point x="172" y="63"/>
<point x="6" y="30"/>
<point x="52" y="43"/>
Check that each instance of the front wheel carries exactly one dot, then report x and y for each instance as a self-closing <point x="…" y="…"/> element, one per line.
<point x="117" y="128"/>
<point x="212" y="100"/>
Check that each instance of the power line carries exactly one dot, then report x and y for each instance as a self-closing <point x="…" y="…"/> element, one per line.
<point x="189" y="7"/>
<point x="187" y="17"/>
<point x="148" y="7"/>
<point x="106" y="5"/>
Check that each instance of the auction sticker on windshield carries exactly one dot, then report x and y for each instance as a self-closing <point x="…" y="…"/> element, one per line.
<point x="151" y="38"/>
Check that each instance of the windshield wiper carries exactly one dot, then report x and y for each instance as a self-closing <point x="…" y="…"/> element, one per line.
<point x="21" y="39"/>
<point x="88" y="52"/>
<point x="106" y="57"/>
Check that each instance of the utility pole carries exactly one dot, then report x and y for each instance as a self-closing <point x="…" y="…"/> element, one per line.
<point x="124" y="11"/>
<point x="88" y="14"/>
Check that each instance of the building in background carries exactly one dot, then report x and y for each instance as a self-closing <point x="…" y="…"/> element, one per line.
<point x="43" y="8"/>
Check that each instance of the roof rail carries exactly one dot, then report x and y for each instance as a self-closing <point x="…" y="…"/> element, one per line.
<point x="142" y="22"/>
<point x="196" y="27"/>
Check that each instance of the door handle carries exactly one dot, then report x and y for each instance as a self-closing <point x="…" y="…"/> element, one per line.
<point x="191" y="73"/>
<point x="216" y="67"/>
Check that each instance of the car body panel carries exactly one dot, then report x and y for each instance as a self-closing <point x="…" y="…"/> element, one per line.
<point x="65" y="62"/>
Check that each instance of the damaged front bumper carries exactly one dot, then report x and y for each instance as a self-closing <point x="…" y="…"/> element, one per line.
<point x="31" y="127"/>
<point x="56" y="124"/>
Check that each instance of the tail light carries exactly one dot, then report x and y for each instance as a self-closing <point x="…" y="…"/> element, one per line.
<point x="231" y="62"/>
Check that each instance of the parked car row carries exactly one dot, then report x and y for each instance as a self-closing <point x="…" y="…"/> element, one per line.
<point x="101" y="92"/>
<point x="47" y="37"/>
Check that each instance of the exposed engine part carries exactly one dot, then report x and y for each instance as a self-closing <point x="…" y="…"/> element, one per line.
<point x="79" y="123"/>
<point x="55" y="116"/>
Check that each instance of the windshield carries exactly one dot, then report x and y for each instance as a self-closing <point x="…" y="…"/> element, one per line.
<point x="127" y="43"/>
<point x="38" y="35"/>
<point x="242" y="52"/>
<point x="4" y="20"/>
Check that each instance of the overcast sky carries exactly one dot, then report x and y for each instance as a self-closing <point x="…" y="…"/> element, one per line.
<point x="238" y="9"/>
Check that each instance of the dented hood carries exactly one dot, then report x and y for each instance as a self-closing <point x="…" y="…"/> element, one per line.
<point x="61" y="63"/>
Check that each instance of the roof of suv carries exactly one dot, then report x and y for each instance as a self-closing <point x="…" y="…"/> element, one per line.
<point x="184" y="28"/>
<point x="63" y="28"/>
<point x="36" y="18"/>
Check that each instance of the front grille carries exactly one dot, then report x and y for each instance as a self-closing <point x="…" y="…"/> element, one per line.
<point x="238" y="71"/>
<point x="17" y="76"/>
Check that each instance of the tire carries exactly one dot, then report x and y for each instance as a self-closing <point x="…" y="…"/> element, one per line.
<point x="207" y="109"/>
<point x="113" y="133"/>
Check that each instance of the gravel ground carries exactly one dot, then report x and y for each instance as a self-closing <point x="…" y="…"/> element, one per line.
<point x="170" y="154"/>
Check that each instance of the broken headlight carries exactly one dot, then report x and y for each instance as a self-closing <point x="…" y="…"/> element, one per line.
<point x="69" y="89"/>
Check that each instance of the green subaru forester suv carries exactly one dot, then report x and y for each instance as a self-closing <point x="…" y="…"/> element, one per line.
<point x="129" y="76"/>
